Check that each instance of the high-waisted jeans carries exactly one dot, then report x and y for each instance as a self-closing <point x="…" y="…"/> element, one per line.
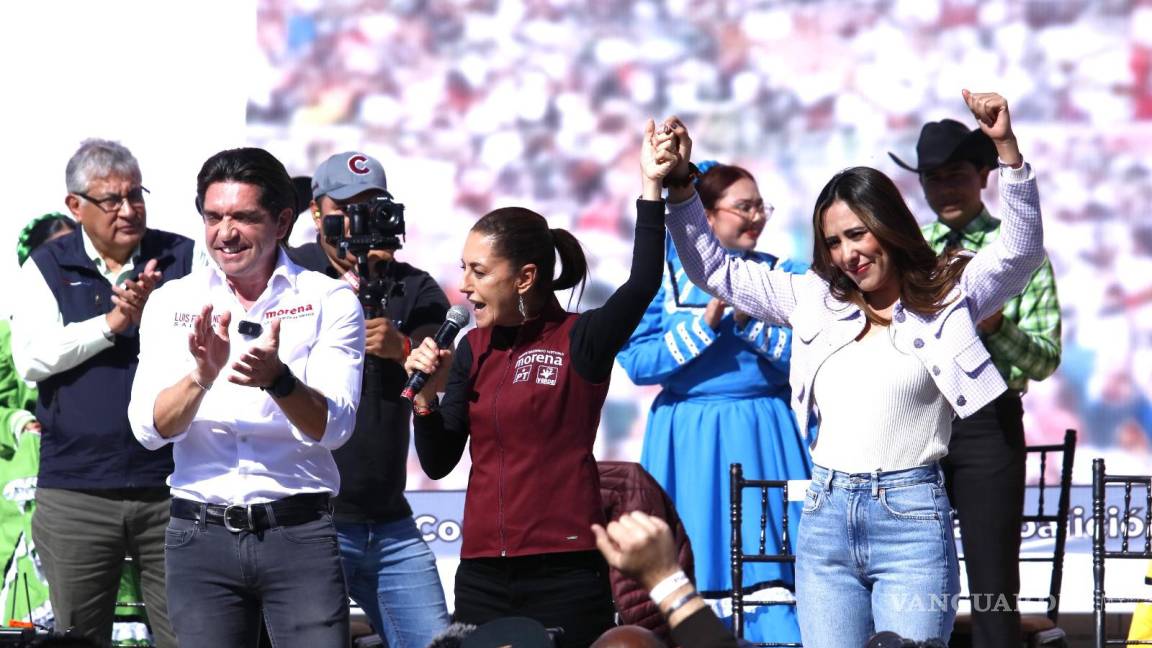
<point x="875" y="552"/>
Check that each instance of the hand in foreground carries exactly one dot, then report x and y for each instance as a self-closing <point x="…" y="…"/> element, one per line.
<point x="640" y="546"/>
<point x="657" y="153"/>
<point x="382" y="339"/>
<point x="209" y="345"/>
<point x="433" y="361"/>
<point x="260" y="365"/>
<point x="128" y="299"/>
<point x="991" y="112"/>
<point x="676" y="127"/>
<point x="714" y="312"/>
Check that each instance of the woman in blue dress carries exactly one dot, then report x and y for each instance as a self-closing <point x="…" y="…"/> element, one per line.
<point x="724" y="400"/>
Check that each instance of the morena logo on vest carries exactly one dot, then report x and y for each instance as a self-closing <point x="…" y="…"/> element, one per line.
<point x="541" y="365"/>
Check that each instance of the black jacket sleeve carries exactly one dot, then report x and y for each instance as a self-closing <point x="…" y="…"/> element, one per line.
<point x="703" y="630"/>
<point x="441" y="436"/>
<point x="601" y="332"/>
<point x="429" y="305"/>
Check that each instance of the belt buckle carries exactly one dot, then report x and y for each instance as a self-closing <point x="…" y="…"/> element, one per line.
<point x="247" y="510"/>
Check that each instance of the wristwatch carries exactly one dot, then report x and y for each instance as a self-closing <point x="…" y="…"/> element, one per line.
<point x="284" y="384"/>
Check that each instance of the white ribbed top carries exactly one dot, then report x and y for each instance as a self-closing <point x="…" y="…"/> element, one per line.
<point x="879" y="409"/>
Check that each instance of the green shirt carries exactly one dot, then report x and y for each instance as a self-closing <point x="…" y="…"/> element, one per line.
<point x="1027" y="346"/>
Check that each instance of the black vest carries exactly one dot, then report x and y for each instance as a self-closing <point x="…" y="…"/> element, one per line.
<point x="86" y="441"/>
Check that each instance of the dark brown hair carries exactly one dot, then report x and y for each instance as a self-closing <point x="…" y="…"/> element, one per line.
<point x="715" y="181"/>
<point x="925" y="278"/>
<point x="522" y="236"/>
<point x="253" y="166"/>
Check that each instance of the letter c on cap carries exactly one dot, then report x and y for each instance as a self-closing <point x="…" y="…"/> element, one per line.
<point x="358" y="164"/>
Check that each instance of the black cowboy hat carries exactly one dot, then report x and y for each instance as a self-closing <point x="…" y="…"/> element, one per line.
<point x="948" y="141"/>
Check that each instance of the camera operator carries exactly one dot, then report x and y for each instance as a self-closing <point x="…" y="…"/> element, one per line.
<point x="391" y="572"/>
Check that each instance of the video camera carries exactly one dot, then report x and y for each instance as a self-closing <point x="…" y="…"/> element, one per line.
<point x="374" y="224"/>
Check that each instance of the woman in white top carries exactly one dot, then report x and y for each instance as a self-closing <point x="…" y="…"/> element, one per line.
<point x="885" y="353"/>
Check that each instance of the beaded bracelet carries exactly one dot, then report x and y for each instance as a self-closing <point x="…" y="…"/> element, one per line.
<point x="425" y="410"/>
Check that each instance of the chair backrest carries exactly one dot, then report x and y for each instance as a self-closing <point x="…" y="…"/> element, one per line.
<point x="1047" y="513"/>
<point x="769" y="490"/>
<point x="1116" y="492"/>
<point x="1055" y="516"/>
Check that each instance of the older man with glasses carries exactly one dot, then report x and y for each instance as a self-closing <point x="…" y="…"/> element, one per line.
<point x="101" y="495"/>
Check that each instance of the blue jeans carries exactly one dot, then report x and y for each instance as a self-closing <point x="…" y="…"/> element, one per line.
<point x="220" y="583"/>
<point x="391" y="574"/>
<point x="875" y="553"/>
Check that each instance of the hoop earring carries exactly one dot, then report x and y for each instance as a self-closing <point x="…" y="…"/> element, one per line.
<point x="520" y="306"/>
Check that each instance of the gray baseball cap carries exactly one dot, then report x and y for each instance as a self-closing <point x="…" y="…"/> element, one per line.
<point x="346" y="174"/>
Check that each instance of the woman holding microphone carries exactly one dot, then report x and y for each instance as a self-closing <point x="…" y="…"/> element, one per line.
<point x="526" y="387"/>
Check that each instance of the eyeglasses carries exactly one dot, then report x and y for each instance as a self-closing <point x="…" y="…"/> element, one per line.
<point x="112" y="204"/>
<point x="748" y="210"/>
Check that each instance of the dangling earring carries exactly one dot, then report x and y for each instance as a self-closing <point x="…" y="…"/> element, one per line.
<point x="520" y="305"/>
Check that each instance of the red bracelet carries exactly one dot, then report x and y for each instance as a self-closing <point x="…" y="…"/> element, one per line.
<point x="407" y="347"/>
<point x="425" y="410"/>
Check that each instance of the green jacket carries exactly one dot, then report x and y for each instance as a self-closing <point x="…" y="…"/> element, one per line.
<point x="23" y="585"/>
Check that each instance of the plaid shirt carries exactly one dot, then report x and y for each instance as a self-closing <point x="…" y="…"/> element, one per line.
<point x="1027" y="346"/>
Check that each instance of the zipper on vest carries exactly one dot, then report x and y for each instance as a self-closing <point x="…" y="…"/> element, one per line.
<point x="500" y="450"/>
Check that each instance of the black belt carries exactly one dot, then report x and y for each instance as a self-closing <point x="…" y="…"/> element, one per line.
<point x="290" y="511"/>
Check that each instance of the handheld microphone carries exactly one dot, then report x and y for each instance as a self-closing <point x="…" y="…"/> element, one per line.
<point x="455" y="320"/>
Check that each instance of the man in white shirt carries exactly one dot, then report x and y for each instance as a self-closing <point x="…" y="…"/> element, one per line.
<point x="77" y="304"/>
<point x="251" y="368"/>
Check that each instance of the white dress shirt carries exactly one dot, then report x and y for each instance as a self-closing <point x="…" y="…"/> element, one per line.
<point x="240" y="448"/>
<point x="42" y="345"/>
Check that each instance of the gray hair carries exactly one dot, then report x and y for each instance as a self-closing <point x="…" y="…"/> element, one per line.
<point x="99" y="158"/>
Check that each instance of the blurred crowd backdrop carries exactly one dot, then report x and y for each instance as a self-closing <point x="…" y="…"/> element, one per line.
<point x="476" y="104"/>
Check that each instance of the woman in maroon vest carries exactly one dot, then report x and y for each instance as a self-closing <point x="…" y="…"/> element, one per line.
<point x="526" y="386"/>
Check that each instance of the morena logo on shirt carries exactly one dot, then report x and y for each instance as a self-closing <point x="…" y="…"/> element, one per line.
<point x="290" y="312"/>
<point x="539" y="365"/>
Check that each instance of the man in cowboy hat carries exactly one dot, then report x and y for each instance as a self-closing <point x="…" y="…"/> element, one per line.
<point x="985" y="463"/>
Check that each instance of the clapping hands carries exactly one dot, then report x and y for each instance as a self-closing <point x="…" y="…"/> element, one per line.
<point x="128" y="299"/>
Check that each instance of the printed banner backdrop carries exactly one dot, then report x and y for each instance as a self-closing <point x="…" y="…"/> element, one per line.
<point x="476" y="104"/>
<point x="439" y="515"/>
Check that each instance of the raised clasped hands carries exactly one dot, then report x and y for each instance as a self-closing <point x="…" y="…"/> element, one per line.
<point x="658" y="154"/>
<point x="991" y="113"/>
<point x="675" y="127"/>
